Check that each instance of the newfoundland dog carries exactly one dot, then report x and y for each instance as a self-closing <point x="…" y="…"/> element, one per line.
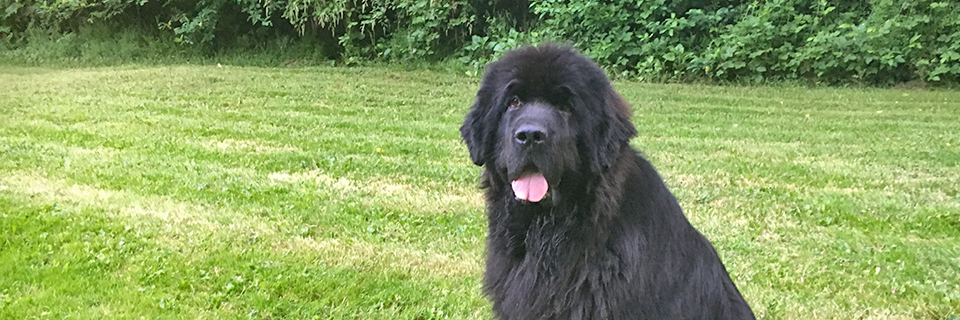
<point x="580" y="225"/>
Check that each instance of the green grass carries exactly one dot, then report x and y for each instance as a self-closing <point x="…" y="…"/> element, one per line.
<point x="199" y="192"/>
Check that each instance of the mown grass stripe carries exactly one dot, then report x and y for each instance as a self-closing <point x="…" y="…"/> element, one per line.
<point x="346" y="193"/>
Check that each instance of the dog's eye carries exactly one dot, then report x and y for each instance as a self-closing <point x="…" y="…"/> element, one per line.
<point x="513" y="103"/>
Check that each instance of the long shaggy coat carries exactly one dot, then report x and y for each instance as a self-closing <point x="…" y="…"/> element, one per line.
<point x="580" y="225"/>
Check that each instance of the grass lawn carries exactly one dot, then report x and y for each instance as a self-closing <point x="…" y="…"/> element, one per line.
<point x="198" y="192"/>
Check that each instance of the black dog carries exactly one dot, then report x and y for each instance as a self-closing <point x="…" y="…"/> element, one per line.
<point x="581" y="226"/>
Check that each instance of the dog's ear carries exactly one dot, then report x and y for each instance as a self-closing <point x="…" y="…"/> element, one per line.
<point x="614" y="130"/>
<point x="478" y="127"/>
<point x="474" y="133"/>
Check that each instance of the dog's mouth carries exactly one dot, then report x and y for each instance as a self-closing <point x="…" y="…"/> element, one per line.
<point x="530" y="187"/>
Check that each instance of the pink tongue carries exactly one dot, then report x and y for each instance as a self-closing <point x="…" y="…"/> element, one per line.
<point x="530" y="187"/>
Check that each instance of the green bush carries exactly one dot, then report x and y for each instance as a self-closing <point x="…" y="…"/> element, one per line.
<point x="875" y="42"/>
<point x="652" y="39"/>
<point x="868" y="42"/>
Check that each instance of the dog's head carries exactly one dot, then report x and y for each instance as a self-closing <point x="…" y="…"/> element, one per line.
<point x="543" y="113"/>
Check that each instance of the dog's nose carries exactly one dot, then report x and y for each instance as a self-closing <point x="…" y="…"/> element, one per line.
<point x="530" y="134"/>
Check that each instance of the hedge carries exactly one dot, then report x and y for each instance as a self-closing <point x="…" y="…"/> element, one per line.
<point x="874" y="42"/>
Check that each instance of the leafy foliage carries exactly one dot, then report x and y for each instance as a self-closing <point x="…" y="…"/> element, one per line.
<point x="871" y="42"/>
<point x="387" y="29"/>
<point x="876" y="42"/>
<point x="653" y="39"/>
<point x="866" y="41"/>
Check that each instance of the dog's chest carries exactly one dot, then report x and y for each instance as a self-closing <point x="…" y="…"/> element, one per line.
<point x="563" y="274"/>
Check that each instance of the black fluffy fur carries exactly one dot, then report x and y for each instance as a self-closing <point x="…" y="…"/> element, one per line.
<point x="610" y="241"/>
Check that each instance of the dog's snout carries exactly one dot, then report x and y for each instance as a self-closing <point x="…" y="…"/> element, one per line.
<point x="529" y="134"/>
